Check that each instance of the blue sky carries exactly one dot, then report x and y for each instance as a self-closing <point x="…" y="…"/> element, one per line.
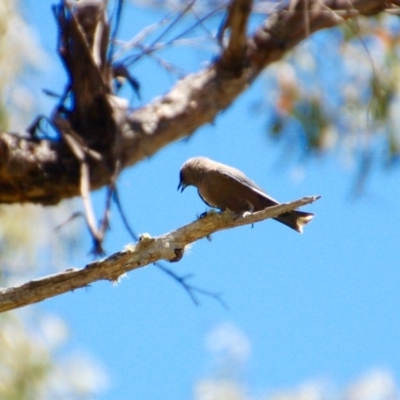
<point x="322" y="305"/>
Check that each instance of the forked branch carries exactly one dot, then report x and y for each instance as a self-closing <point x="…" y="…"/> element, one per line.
<point x="39" y="170"/>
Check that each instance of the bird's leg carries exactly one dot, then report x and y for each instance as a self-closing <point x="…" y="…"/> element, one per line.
<point x="205" y="213"/>
<point x="250" y="211"/>
<point x="247" y="213"/>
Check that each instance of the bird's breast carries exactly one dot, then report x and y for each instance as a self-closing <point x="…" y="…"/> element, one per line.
<point x="208" y="198"/>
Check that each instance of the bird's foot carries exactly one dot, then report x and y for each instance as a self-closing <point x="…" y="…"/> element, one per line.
<point x="203" y="215"/>
<point x="245" y="215"/>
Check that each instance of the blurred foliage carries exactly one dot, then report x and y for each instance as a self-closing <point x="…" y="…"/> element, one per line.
<point x="33" y="363"/>
<point x="30" y="245"/>
<point x="339" y="90"/>
<point x="19" y="52"/>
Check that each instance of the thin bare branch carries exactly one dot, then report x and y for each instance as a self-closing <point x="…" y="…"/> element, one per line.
<point x="157" y="45"/>
<point x="140" y="37"/>
<point x="117" y="21"/>
<point x="125" y="221"/>
<point x="148" y="250"/>
<point x="191" y="290"/>
<point x="156" y="42"/>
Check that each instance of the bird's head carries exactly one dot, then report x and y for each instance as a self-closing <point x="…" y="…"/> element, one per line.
<point x="190" y="173"/>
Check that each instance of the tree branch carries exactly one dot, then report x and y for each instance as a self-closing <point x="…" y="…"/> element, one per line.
<point x="148" y="250"/>
<point x="236" y="21"/>
<point x="44" y="171"/>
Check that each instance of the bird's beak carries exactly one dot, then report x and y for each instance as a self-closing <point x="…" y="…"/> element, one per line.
<point x="181" y="186"/>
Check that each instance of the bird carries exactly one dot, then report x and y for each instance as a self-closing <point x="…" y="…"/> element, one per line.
<point x="223" y="187"/>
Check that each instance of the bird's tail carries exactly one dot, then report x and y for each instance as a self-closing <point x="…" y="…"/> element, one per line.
<point x="295" y="219"/>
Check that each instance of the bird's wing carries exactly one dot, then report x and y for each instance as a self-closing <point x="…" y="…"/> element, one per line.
<point x="240" y="177"/>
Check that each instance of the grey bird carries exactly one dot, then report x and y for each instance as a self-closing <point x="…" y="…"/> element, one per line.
<point x="224" y="187"/>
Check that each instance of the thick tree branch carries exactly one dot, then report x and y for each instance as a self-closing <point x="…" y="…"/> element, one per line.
<point x="148" y="250"/>
<point x="44" y="171"/>
<point x="198" y="98"/>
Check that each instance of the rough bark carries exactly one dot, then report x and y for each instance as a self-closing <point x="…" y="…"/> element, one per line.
<point x="148" y="250"/>
<point x="99" y="131"/>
